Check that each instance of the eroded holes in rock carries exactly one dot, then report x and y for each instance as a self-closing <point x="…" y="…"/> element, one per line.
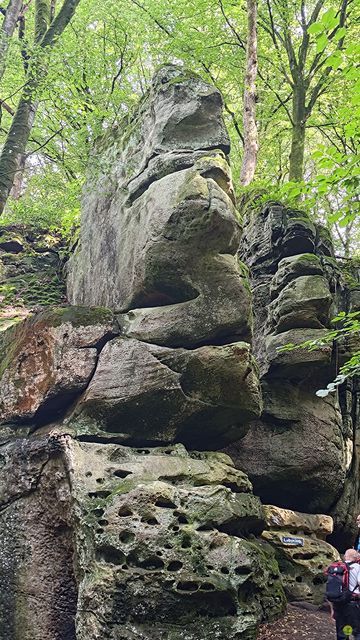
<point x="99" y="494"/>
<point x="175" y="565"/>
<point x="224" y="570"/>
<point x="242" y="571"/>
<point x="121" y="473"/>
<point x="150" y="521"/>
<point x="124" y="512"/>
<point x="176" y="528"/>
<point x="88" y="474"/>
<point x="159" y="553"/>
<point x="144" y="452"/>
<point x="205" y="527"/>
<point x="210" y="567"/>
<point x="126" y="537"/>
<point x="103" y="523"/>
<point x="100" y="530"/>
<point x="186" y="542"/>
<point x="304" y="556"/>
<point x="207" y="586"/>
<point x="111" y="555"/>
<point x="188" y="586"/>
<point x="181" y="518"/>
<point x="98" y="512"/>
<point x="100" y="480"/>
<point x="168" y="546"/>
<point x="152" y="564"/>
<point x="298" y="579"/>
<point x="165" y="503"/>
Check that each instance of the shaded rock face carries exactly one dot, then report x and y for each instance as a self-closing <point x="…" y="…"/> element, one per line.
<point x="301" y="551"/>
<point x="164" y="259"/>
<point x="38" y="591"/>
<point x="300" y="453"/>
<point x="30" y="271"/>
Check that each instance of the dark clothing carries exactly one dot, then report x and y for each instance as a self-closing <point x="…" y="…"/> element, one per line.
<point x="357" y="542"/>
<point x="347" y="615"/>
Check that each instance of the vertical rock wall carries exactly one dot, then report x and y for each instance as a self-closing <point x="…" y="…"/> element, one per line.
<point x="302" y="453"/>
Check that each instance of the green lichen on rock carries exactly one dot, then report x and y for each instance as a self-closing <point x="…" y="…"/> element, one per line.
<point x="30" y="268"/>
<point x="77" y="316"/>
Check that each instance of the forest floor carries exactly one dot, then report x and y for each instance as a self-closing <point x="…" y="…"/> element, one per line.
<point x="300" y="624"/>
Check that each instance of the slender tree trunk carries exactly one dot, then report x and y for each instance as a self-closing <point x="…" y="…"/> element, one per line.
<point x="296" y="168"/>
<point x="249" y="117"/>
<point x="17" y="187"/>
<point x="7" y="29"/>
<point x="18" y="136"/>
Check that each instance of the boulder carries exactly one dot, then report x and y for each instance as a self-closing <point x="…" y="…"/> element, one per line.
<point x="47" y="360"/>
<point x="142" y="393"/>
<point x="159" y="231"/>
<point x="300" y="549"/>
<point x="165" y="546"/>
<point x="304" y="302"/>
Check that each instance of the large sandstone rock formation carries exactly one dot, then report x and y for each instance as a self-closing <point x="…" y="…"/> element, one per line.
<point x="161" y="194"/>
<point x="302" y="453"/>
<point x="142" y="542"/>
<point x="118" y="519"/>
<point x="301" y="551"/>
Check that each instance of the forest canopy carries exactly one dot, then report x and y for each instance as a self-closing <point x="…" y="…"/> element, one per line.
<point x="70" y="69"/>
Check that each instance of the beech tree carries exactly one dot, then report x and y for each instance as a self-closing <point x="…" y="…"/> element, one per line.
<point x="11" y="15"/>
<point x="249" y="108"/>
<point x="45" y="35"/>
<point x="306" y="68"/>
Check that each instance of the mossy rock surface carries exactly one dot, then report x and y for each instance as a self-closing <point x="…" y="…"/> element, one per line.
<point x="31" y="262"/>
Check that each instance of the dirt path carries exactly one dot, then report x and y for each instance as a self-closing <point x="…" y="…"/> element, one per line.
<point x="300" y="624"/>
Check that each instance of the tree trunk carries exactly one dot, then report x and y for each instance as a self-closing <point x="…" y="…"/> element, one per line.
<point x="249" y="116"/>
<point x="18" y="136"/>
<point x="7" y="30"/>
<point x="296" y="169"/>
<point x="17" y="188"/>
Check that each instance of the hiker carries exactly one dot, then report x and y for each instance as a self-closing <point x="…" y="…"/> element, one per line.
<point x="347" y="613"/>
<point x="357" y="539"/>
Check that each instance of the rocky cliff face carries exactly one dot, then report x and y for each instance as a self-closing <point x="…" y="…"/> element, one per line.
<point x="119" y="517"/>
<point x="303" y="451"/>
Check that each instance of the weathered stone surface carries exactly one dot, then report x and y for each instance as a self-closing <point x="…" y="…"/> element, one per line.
<point x="30" y="270"/>
<point x="47" y="360"/>
<point x="37" y="584"/>
<point x="319" y="525"/>
<point x="298" y="362"/>
<point x="164" y="546"/>
<point x="297" y="454"/>
<point x="146" y="394"/>
<point x="303" y="302"/>
<point x="302" y="554"/>
<point x="159" y="229"/>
